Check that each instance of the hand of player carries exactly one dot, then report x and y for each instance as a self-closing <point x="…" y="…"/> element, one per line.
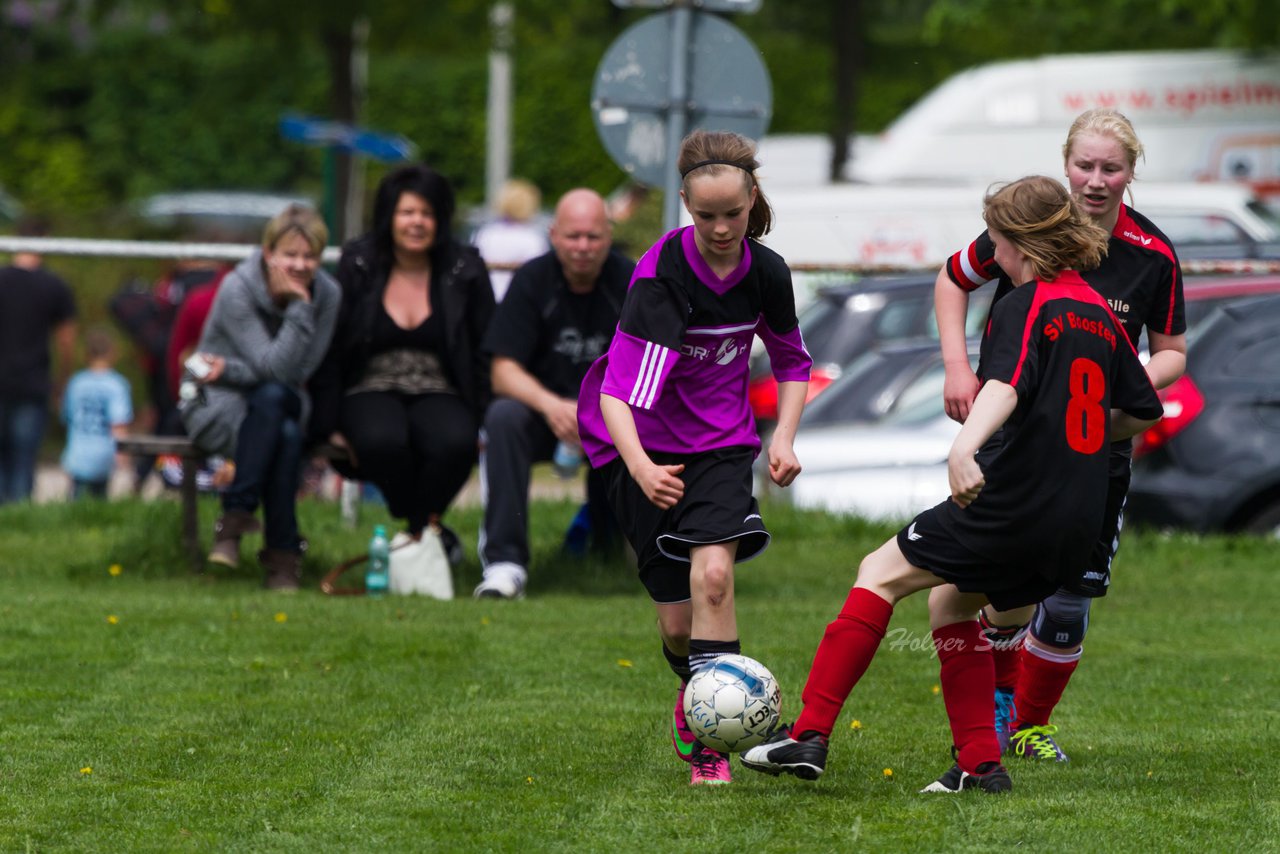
<point x="661" y="484"/>
<point x="783" y="463"/>
<point x="966" y="478"/>
<point x="959" y="388"/>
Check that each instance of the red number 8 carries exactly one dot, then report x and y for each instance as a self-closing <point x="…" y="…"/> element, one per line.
<point x="1086" y="419"/>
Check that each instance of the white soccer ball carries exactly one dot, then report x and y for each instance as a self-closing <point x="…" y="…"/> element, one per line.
<point x="732" y="703"/>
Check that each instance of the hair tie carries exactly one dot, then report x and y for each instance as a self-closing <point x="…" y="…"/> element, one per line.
<point x="712" y="162"/>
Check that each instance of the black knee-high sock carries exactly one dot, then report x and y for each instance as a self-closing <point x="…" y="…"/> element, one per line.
<point x="703" y="652"/>
<point x="679" y="664"/>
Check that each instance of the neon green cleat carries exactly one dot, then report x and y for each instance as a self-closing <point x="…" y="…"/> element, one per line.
<point x="682" y="738"/>
<point x="1036" y="742"/>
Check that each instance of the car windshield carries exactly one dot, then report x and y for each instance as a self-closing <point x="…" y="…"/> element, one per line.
<point x="1269" y="213"/>
<point x="921" y="401"/>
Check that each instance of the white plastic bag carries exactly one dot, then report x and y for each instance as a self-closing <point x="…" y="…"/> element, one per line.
<point x="420" y="567"/>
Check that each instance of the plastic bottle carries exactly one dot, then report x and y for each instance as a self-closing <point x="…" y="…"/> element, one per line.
<point x="566" y="459"/>
<point x="377" y="576"/>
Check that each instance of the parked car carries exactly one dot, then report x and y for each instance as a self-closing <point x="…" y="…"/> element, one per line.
<point x="895" y="467"/>
<point x="1208" y="236"/>
<point x="888" y="470"/>
<point x="1213" y="462"/>
<point x="221" y="215"/>
<point x="1204" y="294"/>
<point x="887" y="379"/>
<point x="846" y="320"/>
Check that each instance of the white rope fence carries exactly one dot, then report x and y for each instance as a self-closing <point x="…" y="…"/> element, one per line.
<point x="93" y="248"/>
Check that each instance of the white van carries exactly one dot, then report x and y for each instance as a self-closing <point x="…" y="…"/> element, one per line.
<point x="1203" y="115"/>
<point x="890" y="227"/>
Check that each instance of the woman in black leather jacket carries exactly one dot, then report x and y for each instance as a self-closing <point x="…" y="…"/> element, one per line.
<point x="405" y="383"/>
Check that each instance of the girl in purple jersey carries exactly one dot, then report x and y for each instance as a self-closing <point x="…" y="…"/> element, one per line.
<point x="1141" y="281"/>
<point x="1061" y="378"/>
<point x="664" y="413"/>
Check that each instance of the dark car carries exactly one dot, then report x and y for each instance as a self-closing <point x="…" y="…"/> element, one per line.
<point x="844" y="321"/>
<point x="1205" y="293"/>
<point x="847" y="321"/>
<point x="886" y="379"/>
<point x="1213" y="463"/>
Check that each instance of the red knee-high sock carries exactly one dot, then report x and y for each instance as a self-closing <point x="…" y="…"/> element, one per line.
<point x="968" y="681"/>
<point x="1008" y="663"/>
<point x="847" y="647"/>
<point x="1006" y="644"/>
<point x="1044" y="677"/>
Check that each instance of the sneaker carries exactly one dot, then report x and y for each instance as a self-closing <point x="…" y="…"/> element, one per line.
<point x="708" y="767"/>
<point x="990" y="778"/>
<point x="502" y="581"/>
<point x="1006" y="711"/>
<point x="1036" y="742"/>
<point x="682" y="738"/>
<point x="227" y="531"/>
<point x="805" y="757"/>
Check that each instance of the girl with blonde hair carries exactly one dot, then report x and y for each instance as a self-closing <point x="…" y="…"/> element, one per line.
<point x="1141" y="281"/>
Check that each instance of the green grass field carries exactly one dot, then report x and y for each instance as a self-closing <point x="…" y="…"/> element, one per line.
<point x="153" y="710"/>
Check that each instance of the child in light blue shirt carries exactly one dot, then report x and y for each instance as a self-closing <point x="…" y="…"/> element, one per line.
<point x="97" y="408"/>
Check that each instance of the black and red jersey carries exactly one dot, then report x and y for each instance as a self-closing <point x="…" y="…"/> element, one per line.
<point x="1064" y="352"/>
<point x="1139" y="278"/>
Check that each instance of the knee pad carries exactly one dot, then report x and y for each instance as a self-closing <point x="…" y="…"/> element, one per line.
<point x="1001" y="637"/>
<point x="1062" y="620"/>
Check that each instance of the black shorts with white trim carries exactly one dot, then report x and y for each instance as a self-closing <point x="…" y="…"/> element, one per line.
<point x="717" y="507"/>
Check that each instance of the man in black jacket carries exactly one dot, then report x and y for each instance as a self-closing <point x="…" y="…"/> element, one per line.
<point x="558" y="316"/>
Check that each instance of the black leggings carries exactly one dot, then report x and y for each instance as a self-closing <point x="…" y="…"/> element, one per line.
<point x="418" y="449"/>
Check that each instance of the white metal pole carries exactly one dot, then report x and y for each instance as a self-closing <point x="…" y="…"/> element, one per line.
<point x="498" y="132"/>
<point x="677" y="113"/>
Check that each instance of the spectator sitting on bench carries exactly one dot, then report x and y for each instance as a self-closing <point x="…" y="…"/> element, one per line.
<point x="270" y="325"/>
<point x="558" y="317"/>
<point x="405" y="383"/>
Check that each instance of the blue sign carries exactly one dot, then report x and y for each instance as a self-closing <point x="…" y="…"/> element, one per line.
<point x="380" y="146"/>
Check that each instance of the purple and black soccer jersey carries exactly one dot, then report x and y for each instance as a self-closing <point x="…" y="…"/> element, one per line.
<point x="1062" y="349"/>
<point x="680" y="355"/>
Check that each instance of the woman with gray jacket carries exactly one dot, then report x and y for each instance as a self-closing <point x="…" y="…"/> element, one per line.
<point x="244" y="392"/>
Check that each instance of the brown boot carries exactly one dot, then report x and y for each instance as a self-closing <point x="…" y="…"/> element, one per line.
<point x="230" y="527"/>
<point x="283" y="569"/>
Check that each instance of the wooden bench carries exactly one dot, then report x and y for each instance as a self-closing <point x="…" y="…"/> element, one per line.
<point x="147" y="445"/>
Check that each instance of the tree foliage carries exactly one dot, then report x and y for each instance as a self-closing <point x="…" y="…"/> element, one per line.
<point x="151" y="95"/>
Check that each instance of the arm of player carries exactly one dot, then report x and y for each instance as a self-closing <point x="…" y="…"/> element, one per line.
<point x="510" y="379"/>
<point x="960" y="385"/>
<point x="1168" y="357"/>
<point x="1125" y="426"/>
<point x="661" y="484"/>
<point x="783" y="464"/>
<point x="991" y="408"/>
